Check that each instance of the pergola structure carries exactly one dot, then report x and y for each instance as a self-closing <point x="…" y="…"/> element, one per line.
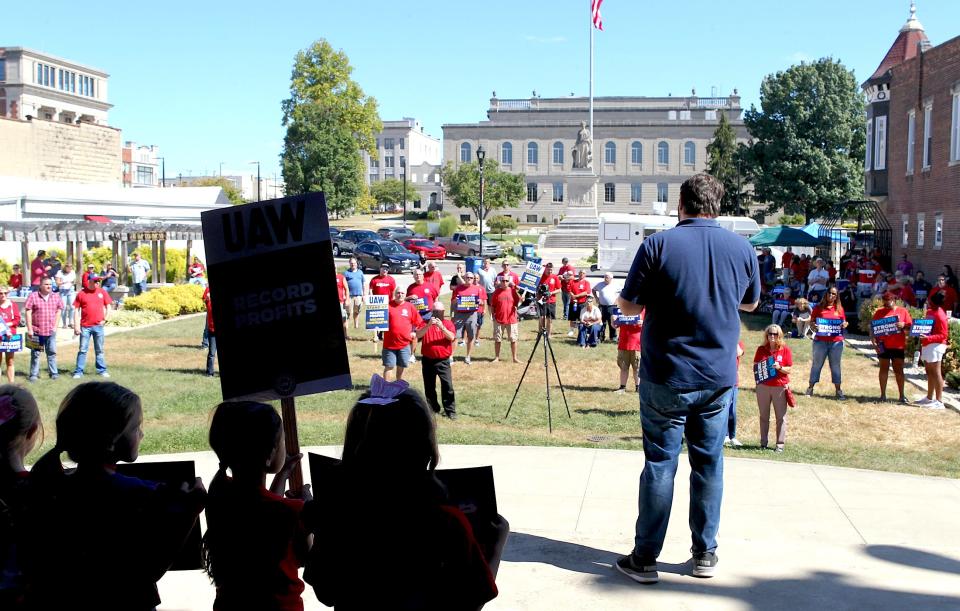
<point x="872" y="227"/>
<point x="75" y="233"/>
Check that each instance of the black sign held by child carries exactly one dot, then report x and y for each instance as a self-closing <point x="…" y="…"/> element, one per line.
<point x="272" y="282"/>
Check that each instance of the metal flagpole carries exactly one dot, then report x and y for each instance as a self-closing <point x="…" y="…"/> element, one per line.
<point x="590" y="25"/>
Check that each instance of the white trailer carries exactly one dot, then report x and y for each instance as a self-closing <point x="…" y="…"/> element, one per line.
<point x="620" y="235"/>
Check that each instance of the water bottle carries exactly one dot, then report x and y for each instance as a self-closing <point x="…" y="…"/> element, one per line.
<point x="916" y="358"/>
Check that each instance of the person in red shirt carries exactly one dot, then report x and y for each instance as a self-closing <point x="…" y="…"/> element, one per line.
<point x="16" y="279"/>
<point x="92" y="303"/>
<point x="404" y="321"/>
<point x="343" y="293"/>
<point x="506" y="271"/>
<point x="579" y="291"/>
<point x="831" y="270"/>
<point x="890" y="347"/>
<point x="433" y="276"/>
<point x="949" y="294"/>
<point x="787" y="259"/>
<point x="211" y="336"/>
<point x="38" y="270"/>
<point x="505" y="301"/>
<point x="827" y="345"/>
<point x="628" y="351"/>
<point x="422" y="294"/>
<point x="10" y="314"/>
<point x="866" y="275"/>
<point x="933" y="348"/>
<point x="382" y="283"/>
<point x="85" y="276"/>
<point x="553" y="286"/>
<point x="566" y="268"/>
<point x="466" y="300"/>
<point x="436" y="348"/>
<point x="774" y="390"/>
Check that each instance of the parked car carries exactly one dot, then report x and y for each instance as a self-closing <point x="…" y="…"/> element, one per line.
<point x="468" y="245"/>
<point x="395" y="233"/>
<point x="346" y="242"/>
<point x="425" y="249"/>
<point x="334" y="232"/>
<point x="373" y="253"/>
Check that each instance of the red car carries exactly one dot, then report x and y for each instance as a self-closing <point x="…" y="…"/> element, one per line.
<point x="425" y="249"/>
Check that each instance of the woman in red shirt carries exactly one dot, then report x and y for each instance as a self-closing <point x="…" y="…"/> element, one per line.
<point x="774" y="389"/>
<point x="11" y="316"/>
<point x="828" y="342"/>
<point x="891" y="344"/>
<point x="934" y="346"/>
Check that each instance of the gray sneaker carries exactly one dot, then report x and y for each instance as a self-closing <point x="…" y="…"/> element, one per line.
<point x="704" y="564"/>
<point x="639" y="571"/>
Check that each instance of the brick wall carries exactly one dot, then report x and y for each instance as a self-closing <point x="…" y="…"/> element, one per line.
<point x="936" y="190"/>
<point x="63" y="152"/>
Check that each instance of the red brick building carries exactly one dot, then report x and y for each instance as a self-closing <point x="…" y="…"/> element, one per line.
<point x="914" y="153"/>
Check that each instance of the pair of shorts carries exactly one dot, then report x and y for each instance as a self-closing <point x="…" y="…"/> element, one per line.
<point x="933" y="353"/>
<point x="511" y="330"/>
<point x="357" y="303"/>
<point x="343" y="313"/>
<point x="550" y="309"/>
<point x="466" y="322"/>
<point x="627" y="359"/>
<point x="574" y="311"/>
<point x="396" y="358"/>
<point x="891" y="354"/>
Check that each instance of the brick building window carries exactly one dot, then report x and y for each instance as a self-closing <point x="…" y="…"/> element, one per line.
<point x="955" y="126"/>
<point x="868" y="158"/>
<point x="905" y="220"/>
<point x="920" y="221"/>
<point x="911" y="140"/>
<point x="938" y="230"/>
<point x="880" y="144"/>
<point x="927" y="134"/>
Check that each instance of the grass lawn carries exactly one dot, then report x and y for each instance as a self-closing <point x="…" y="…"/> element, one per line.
<point x="164" y="366"/>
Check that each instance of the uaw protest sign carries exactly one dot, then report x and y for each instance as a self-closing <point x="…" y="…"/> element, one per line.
<point x="274" y="297"/>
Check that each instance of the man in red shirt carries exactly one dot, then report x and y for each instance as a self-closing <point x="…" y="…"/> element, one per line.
<point x="949" y="295"/>
<point x="433" y="276"/>
<point x="506" y="271"/>
<point x="343" y="293"/>
<point x="553" y="286"/>
<point x="382" y="284"/>
<point x="787" y="259"/>
<point x="579" y="291"/>
<point x="466" y="300"/>
<point x="91" y="303"/>
<point x="422" y="294"/>
<point x="436" y="349"/>
<point x="628" y="351"/>
<point x="404" y="321"/>
<point x="566" y="268"/>
<point x="505" y="301"/>
<point x="211" y="336"/>
<point x="867" y="272"/>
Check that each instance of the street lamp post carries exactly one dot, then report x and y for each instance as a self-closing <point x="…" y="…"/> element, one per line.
<point x="403" y="172"/>
<point x="481" y="155"/>
<point x="258" y="178"/>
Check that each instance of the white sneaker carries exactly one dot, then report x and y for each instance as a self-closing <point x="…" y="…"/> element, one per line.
<point x="467" y="360"/>
<point x="413" y="359"/>
<point x="923" y="401"/>
<point x="726" y="440"/>
<point x="570" y="334"/>
<point x="935" y="405"/>
<point x="476" y="343"/>
<point x="736" y="443"/>
<point x="460" y="343"/>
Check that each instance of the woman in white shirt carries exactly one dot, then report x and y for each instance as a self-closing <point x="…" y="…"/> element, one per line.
<point x="67" y="283"/>
<point x="590" y="325"/>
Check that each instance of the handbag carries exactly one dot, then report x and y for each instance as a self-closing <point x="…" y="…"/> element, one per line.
<point x="791" y="398"/>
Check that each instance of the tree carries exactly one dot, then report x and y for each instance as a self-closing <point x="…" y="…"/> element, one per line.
<point x="501" y="189"/>
<point x="390" y="191"/>
<point x="229" y="189"/>
<point x="329" y="121"/>
<point x="502" y="223"/>
<point x="320" y="156"/>
<point x="808" y="139"/>
<point x="366" y="203"/>
<point x="726" y="165"/>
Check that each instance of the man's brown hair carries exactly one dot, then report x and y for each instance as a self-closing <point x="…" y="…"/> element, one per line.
<point x="700" y="195"/>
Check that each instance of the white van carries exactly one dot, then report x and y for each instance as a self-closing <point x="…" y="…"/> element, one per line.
<point x="621" y="234"/>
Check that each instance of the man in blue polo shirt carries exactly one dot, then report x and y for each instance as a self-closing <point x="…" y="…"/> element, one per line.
<point x="354" y="278"/>
<point x="693" y="280"/>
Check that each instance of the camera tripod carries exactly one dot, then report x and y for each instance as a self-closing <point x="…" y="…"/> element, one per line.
<point x="542" y="335"/>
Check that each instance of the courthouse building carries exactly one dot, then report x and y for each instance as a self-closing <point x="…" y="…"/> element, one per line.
<point x="913" y="146"/>
<point x="404" y="148"/>
<point x="643" y="149"/>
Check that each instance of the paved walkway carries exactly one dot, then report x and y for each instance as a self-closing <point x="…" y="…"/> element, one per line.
<point x="793" y="536"/>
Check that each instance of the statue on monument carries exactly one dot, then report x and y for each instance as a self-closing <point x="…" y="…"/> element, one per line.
<point x="583" y="149"/>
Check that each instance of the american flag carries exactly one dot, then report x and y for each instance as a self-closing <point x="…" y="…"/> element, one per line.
<point x="595" y="14"/>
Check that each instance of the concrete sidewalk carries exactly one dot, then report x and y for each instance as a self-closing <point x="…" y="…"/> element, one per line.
<point x="793" y="536"/>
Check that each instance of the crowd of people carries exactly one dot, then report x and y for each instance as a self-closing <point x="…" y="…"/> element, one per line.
<point x="91" y="537"/>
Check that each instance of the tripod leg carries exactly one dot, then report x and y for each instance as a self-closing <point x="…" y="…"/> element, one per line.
<point x="546" y="371"/>
<point x="529" y="360"/>
<point x="559" y="381"/>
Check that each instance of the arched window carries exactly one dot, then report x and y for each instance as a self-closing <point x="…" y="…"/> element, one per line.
<point x="466" y="152"/>
<point x="689" y="153"/>
<point x="558" y="153"/>
<point x="506" y="154"/>
<point x="532" y="153"/>
<point x="636" y="153"/>
<point x="609" y="152"/>
<point x="663" y="153"/>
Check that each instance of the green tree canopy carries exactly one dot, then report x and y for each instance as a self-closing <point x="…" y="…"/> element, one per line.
<point x="502" y="223"/>
<point x="390" y="191"/>
<point x="724" y="162"/>
<point x="229" y="189"/>
<point x="808" y="139"/>
<point x="501" y="189"/>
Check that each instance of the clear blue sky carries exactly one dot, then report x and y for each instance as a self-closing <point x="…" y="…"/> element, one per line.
<point x="204" y="80"/>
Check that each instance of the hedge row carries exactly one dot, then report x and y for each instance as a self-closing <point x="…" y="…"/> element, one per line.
<point x="169" y="301"/>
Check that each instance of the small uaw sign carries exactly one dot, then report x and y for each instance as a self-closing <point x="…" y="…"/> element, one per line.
<point x="272" y="281"/>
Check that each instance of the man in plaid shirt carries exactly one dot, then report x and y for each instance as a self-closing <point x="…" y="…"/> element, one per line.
<point x="43" y="310"/>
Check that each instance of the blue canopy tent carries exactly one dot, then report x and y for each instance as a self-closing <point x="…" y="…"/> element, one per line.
<point x="834" y="235"/>
<point x="784" y="236"/>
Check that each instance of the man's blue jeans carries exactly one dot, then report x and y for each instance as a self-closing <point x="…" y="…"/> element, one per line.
<point x="588" y="334"/>
<point x="667" y="416"/>
<point x="732" y="413"/>
<point x="138" y="288"/>
<point x="49" y="343"/>
<point x="821" y="352"/>
<point x="85" y="334"/>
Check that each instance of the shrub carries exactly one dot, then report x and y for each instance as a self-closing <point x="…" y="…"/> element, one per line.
<point x="420" y="228"/>
<point x="951" y="360"/>
<point x="502" y="223"/>
<point x="5" y="270"/>
<point x="448" y="226"/>
<point x="953" y="379"/>
<point x="169" y="301"/>
<point x="133" y="318"/>
<point x="99" y="256"/>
